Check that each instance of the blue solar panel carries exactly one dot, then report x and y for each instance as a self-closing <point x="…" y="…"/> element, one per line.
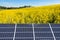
<point x="7" y="25"/>
<point x="24" y="29"/>
<point x="6" y="34"/>
<point x="23" y="39"/>
<point x="30" y="32"/>
<point x="24" y="35"/>
<point x="24" y="32"/>
<point x="6" y="31"/>
<point x="58" y="38"/>
<point x="44" y="39"/>
<point x="56" y="30"/>
<point x="5" y="39"/>
<point x="43" y="32"/>
<point x="41" y="25"/>
<point x="55" y="25"/>
<point x="24" y="25"/>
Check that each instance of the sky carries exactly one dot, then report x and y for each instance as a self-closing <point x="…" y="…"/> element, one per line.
<point x="17" y="3"/>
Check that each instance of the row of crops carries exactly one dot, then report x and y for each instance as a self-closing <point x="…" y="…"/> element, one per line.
<point x="37" y="15"/>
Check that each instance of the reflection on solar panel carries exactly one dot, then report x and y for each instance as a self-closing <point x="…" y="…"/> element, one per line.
<point x="29" y="31"/>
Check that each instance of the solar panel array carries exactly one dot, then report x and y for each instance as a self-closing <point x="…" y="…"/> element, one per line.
<point x="29" y="31"/>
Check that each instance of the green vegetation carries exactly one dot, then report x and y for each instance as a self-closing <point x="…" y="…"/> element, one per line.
<point x="2" y="7"/>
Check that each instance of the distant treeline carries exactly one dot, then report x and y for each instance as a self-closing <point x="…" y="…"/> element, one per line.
<point x="2" y="7"/>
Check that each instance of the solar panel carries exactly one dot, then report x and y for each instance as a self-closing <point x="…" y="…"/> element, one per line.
<point x="24" y="32"/>
<point x="43" y="32"/>
<point x="56" y="30"/>
<point x="29" y="31"/>
<point x="6" y="31"/>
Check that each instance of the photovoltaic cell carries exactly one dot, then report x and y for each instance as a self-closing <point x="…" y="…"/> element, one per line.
<point x="7" y="25"/>
<point x="6" y="29"/>
<point x="43" y="34"/>
<point x="44" y="39"/>
<point x="41" y="25"/>
<point x="24" y="35"/>
<point x="55" y="25"/>
<point x="6" y="34"/>
<point x="23" y="39"/>
<point x="24" y="29"/>
<point x="42" y="30"/>
<point x="5" y="39"/>
<point x="58" y="38"/>
<point x="24" y="25"/>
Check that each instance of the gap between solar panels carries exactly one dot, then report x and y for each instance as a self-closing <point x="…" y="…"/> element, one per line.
<point x="33" y="31"/>
<point x="52" y="31"/>
<point x="15" y="32"/>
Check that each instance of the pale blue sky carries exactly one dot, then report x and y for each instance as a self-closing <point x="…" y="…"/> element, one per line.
<point x="17" y="3"/>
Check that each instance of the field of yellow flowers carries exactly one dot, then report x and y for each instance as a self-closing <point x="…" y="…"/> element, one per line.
<point x="36" y="15"/>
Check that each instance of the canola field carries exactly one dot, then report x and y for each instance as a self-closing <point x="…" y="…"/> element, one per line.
<point x="36" y="15"/>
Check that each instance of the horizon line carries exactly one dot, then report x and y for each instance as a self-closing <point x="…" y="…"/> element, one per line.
<point x="31" y="5"/>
